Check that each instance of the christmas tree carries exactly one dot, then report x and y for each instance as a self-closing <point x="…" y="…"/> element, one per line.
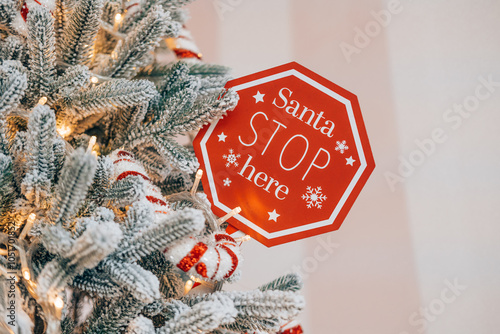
<point x="102" y="227"/>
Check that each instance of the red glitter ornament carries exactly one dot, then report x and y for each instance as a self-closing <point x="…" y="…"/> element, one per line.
<point x="201" y="268"/>
<point x="221" y="244"/>
<point x="193" y="257"/>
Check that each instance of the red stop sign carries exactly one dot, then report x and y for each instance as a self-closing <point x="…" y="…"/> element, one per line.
<point x="293" y="155"/>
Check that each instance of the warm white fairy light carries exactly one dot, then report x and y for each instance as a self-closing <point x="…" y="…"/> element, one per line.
<point x="28" y="226"/>
<point x="58" y="303"/>
<point x="231" y="213"/>
<point x="42" y="100"/>
<point x="26" y="274"/>
<point x="244" y="238"/>
<point x="118" y="20"/>
<point x="188" y="286"/>
<point x="197" y="179"/>
<point x="92" y="143"/>
<point x="64" y="130"/>
<point x="94" y="79"/>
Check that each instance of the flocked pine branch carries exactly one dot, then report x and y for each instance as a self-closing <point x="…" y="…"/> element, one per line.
<point x="168" y="5"/>
<point x="60" y="17"/>
<point x="129" y="56"/>
<point x="158" y="237"/>
<point x="7" y="14"/>
<point x="85" y="253"/>
<point x="40" y="165"/>
<point x="76" y="178"/>
<point x="12" y="48"/>
<point x="202" y="317"/>
<point x="42" y="56"/>
<point x="97" y="243"/>
<point x="77" y="40"/>
<point x="73" y="79"/>
<point x="115" y="93"/>
<point x="13" y="83"/>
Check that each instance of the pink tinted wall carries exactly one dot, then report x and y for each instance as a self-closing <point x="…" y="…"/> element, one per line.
<point x="419" y="251"/>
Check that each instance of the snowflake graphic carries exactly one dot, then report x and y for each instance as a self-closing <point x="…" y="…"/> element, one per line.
<point x="314" y="197"/>
<point x="227" y="182"/>
<point x="341" y="146"/>
<point x="232" y="159"/>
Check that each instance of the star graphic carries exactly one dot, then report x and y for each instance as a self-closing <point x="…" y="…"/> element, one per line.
<point x="349" y="161"/>
<point x="222" y="137"/>
<point x="273" y="215"/>
<point x="227" y="182"/>
<point x="259" y="97"/>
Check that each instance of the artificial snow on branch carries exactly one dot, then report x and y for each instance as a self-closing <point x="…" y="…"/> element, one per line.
<point x="102" y="227"/>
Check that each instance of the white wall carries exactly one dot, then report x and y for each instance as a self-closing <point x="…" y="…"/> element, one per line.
<point x="399" y="245"/>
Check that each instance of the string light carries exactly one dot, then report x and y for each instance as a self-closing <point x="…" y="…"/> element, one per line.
<point x="118" y="20"/>
<point x="188" y="286"/>
<point x="94" y="79"/>
<point x="64" y="130"/>
<point x="42" y="100"/>
<point x="59" y="303"/>
<point x="244" y="238"/>
<point x="197" y="179"/>
<point x="231" y="213"/>
<point x="92" y="142"/>
<point x="26" y="274"/>
<point x="28" y="226"/>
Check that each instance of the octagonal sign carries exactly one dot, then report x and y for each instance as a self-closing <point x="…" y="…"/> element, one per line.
<point x="293" y="155"/>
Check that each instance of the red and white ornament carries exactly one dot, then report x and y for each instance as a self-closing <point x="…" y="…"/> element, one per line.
<point x="214" y="259"/>
<point x="184" y="46"/>
<point x="125" y="165"/>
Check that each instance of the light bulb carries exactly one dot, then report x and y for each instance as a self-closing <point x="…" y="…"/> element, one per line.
<point x="118" y="18"/>
<point x="231" y="213"/>
<point x="28" y="226"/>
<point x="188" y="286"/>
<point x="64" y="130"/>
<point x="92" y="142"/>
<point x="243" y="238"/>
<point x="196" y="182"/>
<point x="26" y="274"/>
<point x="42" y="100"/>
<point x="31" y="218"/>
<point x="94" y="80"/>
<point x="59" y="302"/>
